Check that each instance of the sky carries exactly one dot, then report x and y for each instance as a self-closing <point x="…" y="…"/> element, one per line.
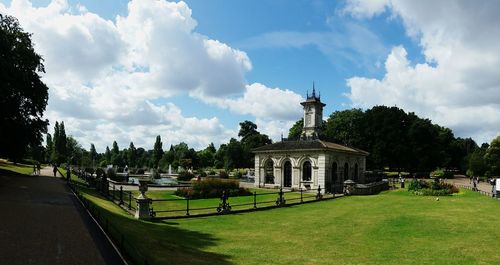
<point x="192" y="71"/>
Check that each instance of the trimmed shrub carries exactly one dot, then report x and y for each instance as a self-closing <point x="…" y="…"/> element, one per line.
<point x="223" y="174"/>
<point x="237" y="175"/>
<point x="437" y="188"/>
<point x="111" y="174"/>
<point x="185" y="176"/>
<point x="212" y="188"/>
<point x="203" y="174"/>
<point x="416" y="185"/>
<point x="211" y="172"/>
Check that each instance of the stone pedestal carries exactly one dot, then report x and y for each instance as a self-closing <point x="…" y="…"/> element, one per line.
<point x="142" y="211"/>
<point x="349" y="187"/>
<point x="143" y="202"/>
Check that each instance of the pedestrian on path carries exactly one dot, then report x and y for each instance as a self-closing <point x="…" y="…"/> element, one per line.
<point x="54" y="169"/>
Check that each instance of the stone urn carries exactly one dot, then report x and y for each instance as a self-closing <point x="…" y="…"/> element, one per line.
<point x="349" y="187"/>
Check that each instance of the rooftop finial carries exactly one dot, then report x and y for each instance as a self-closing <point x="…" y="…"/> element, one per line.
<point x="314" y="91"/>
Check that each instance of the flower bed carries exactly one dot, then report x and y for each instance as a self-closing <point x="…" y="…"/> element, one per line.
<point x="436" y="188"/>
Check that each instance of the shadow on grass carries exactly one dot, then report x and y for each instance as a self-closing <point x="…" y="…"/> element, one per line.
<point x="154" y="242"/>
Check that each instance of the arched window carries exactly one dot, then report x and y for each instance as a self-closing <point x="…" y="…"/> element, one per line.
<point x="306" y="171"/>
<point x="287" y="174"/>
<point x="334" y="172"/>
<point x="346" y="171"/>
<point x="269" y="171"/>
<point x="356" y="172"/>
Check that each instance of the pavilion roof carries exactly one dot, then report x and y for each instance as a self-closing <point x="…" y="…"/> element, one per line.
<point x="301" y="145"/>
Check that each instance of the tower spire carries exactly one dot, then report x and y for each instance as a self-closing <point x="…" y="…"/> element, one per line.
<point x="314" y="91"/>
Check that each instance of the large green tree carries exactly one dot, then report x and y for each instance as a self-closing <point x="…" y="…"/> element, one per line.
<point x="296" y="130"/>
<point x="492" y="157"/>
<point x="345" y="127"/>
<point x="157" y="151"/>
<point x="132" y="155"/>
<point x="93" y="154"/>
<point x="24" y="95"/>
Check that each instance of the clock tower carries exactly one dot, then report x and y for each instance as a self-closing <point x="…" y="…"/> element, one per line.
<point x="313" y="115"/>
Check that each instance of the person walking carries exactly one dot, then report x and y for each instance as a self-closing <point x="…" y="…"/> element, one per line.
<point x="54" y="169"/>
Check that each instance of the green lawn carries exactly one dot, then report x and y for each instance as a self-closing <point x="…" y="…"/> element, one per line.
<point x="391" y="228"/>
<point x="19" y="168"/>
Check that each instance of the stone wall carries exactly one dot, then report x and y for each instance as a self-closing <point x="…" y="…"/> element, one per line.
<point x="370" y="188"/>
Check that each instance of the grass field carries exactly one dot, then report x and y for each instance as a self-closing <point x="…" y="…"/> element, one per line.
<point x="391" y="228"/>
<point x="18" y="168"/>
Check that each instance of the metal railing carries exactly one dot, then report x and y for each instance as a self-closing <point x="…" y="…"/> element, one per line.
<point x="104" y="221"/>
<point x="490" y="194"/>
<point x="189" y="207"/>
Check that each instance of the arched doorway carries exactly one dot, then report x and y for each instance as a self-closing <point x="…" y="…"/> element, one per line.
<point x="287" y="174"/>
<point x="356" y="177"/>
<point x="269" y="171"/>
<point x="346" y="171"/>
<point x="336" y="181"/>
<point x="306" y="171"/>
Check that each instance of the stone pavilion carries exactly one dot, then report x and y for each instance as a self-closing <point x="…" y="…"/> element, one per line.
<point x="309" y="162"/>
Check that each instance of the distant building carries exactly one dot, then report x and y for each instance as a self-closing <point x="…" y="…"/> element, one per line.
<point x="309" y="162"/>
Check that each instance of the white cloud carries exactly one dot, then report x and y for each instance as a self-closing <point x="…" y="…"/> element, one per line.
<point x="264" y="103"/>
<point x="104" y="75"/>
<point x="365" y="9"/>
<point x="458" y="85"/>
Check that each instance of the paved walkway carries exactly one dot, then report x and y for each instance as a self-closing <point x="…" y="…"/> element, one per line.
<point x="41" y="222"/>
<point x="465" y="181"/>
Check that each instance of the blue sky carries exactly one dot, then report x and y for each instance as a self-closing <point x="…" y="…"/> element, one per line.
<point x="254" y="60"/>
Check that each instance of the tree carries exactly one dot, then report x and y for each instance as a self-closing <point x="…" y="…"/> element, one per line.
<point x="247" y="129"/>
<point x="49" y="147"/>
<point x="59" y="154"/>
<point x="93" y="154"/>
<point x="492" y="157"/>
<point x="107" y="155"/>
<point x="296" y="130"/>
<point x="24" y="95"/>
<point x="116" y="157"/>
<point x="477" y="163"/>
<point x="132" y="155"/>
<point x="74" y="151"/>
<point x="207" y="155"/>
<point x="220" y="156"/>
<point x="250" y="139"/>
<point x="345" y="127"/>
<point x="234" y="156"/>
<point x="157" y="151"/>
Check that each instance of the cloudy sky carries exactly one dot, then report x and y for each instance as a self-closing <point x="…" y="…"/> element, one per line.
<point x="191" y="71"/>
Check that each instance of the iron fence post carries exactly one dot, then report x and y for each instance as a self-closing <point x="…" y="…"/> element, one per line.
<point x="255" y="200"/>
<point x="318" y="195"/>
<point x="121" y="195"/>
<point x="187" y="205"/>
<point x="301" y="196"/>
<point x="130" y="200"/>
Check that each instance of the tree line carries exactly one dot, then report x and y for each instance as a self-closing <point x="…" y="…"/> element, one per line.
<point x="400" y="141"/>
<point x="61" y="148"/>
